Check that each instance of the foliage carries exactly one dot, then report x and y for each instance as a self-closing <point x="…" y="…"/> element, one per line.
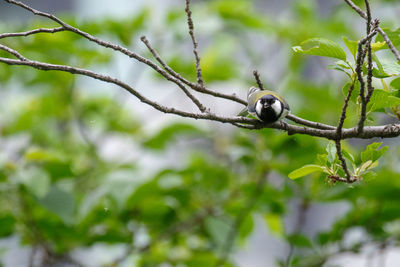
<point x="62" y="190"/>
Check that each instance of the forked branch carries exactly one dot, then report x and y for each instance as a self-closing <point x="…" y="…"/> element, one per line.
<point x="305" y="126"/>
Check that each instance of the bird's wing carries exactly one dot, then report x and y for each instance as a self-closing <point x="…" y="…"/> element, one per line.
<point x="243" y="113"/>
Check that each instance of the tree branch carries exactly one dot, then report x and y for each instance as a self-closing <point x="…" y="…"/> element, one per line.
<point x="384" y="131"/>
<point x="343" y="163"/>
<point x="173" y="73"/>
<point x="361" y="53"/>
<point x="292" y="117"/>
<point x="339" y="133"/>
<point x="365" y="98"/>
<point x="359" y="63"/>
<point x="308" y="128"/>
<point x="389" y="43"/>
<point x="191" y="33"/>
<point x="127" y="52"/>
<point x="12" y="52"/>
<point x="312" y="124"/>
<point x="379" y="29"/>
<point x="35" y="31"/>
<point x="258" y="80"/>
<point x="131" y="90"/>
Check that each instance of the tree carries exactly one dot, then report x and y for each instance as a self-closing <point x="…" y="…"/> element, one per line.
<point x="69" y="196"/>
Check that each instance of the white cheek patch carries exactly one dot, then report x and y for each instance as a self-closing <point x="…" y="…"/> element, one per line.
<point x="258" y="108"/>
<point x="277" y="107"/>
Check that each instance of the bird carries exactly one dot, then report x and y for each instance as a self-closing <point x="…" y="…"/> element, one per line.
<point x="266" y="105"/>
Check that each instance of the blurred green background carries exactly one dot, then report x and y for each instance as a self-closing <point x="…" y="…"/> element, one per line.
<point x="89" y="176"/>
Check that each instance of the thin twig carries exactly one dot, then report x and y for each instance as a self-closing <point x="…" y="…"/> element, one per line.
<point x="318" y="130"/>
<point x="360" y="60"/>
<point x="369" y="19"/>
<point x="339" y="132"/>
<point x="192" y="36"/>
<point x="258" y="80"/>
<point x="356" y="8"/>
<point x="343" y="161"/>
<point x="128" y="53"/>
<point x="343" y="114"/>
<point x="359" y="63"/>
<point x="337" y="178"/>
<point x="361" y="53"/>
<point x="131" y="90"/>
<point x="201" y="107"/>
<point x="312" y="124"/>
<point x="35" y="31"/>
<point x="389" y="43"/>
<point x="292" y="117"/>
<point x="65" y="26"/>
<point x="194" y="86"/>
<point x="12" y="52"/>
<point x="379" y="29"/>
<point x="382" y="131"/>
<point x="339" y="136"/>
<point x="368" y="50"/>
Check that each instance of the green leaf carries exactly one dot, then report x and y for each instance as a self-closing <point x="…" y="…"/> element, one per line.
<point x="395" y="83"/>
<point x="377" y="46"/>
<point x="351" y="45"/>
<point x="37" y="181"/>
<point x="7" y="225"/>
<point x="305" y="170"/>
<point x="322" y="159"/>
<point x="382" y="99"/>
<point x="386" y="68"/>
<point x="218" y="230"/>
<point x="198" y="258"/>
<point x="355" y="93"/>
<point x="216" y="61"/>
<point x="334" y="67"/>
<point x="321" y="47"/>
<point x="368" y="165"/>
<point x="61" y="203"/>
<point x="36" y="154"/>
<point x="331" y="149"/>
<point x="372" y="153"/>
<point x="348" y="156"/>
<point x="275" y="224"/>
<point x="246" y="227"/>
<point x="299" y="240"/>
<point x="394" y="37"/>
<point x="341" y="66"/>
<point x="240" y="11"/>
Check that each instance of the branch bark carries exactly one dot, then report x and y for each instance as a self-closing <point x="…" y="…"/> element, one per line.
<point x="173" y="73"/>
<point x="306" y="127"/>
<point x="367" y="40"/>
<point x="379" y="29"/>
<point x="192" y="36"/>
